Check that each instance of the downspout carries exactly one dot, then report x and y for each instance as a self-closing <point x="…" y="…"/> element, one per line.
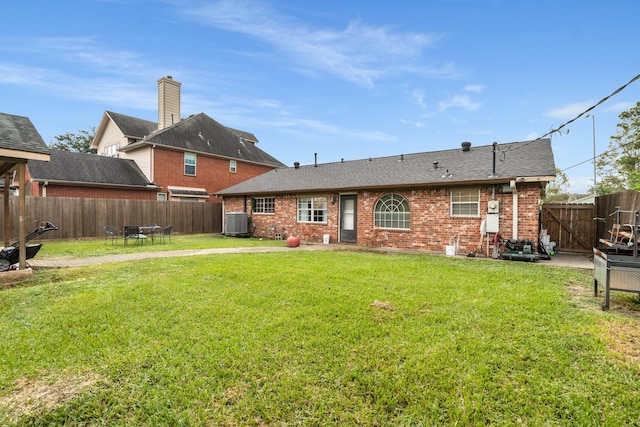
<point x="514" y="192"/>
<point x="44" y="188"/>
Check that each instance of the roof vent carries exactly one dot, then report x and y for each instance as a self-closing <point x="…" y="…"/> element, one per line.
<point x="296" y="165"/>
<point x="466" y="146"/>
<point x="435" y="165"/>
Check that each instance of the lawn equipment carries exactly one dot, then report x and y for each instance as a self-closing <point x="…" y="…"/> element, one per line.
<point x="521" y="250"/>
<point x="11" y="255"/>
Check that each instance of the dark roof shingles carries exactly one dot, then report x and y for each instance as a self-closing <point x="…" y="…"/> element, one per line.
<point x="18" y="133"/>
<point x="65" y="166"/>
<point x="524" y="159"/>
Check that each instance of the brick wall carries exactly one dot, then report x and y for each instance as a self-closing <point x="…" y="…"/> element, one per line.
<point x="53" y="190"/>
<point x="432" y="228"/>
<point x="212" y="173"/>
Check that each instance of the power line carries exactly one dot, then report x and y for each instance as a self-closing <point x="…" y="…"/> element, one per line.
<point x="559" y="128"/>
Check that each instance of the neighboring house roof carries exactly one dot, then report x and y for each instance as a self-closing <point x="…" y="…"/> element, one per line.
<point x="198" y="133"/>
<point x="521" y="161"/>
<point x="70" y="168"/>
<point x="19" y="141"/>
<point x="132" y="127"/>
<point x="201" y="134"/>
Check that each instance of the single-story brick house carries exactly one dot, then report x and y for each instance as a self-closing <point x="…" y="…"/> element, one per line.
<point x="419" y="201"/>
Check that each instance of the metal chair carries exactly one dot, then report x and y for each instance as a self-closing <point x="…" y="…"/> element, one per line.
<point x="166" y="232"/>
<point x="111" y="232"/>
<point x="133" y="232"/>
<point x="149" y="230"/>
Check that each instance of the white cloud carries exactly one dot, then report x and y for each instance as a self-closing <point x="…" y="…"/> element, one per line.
<point x="474" y="88"/>
<point x="358" y="53"/>
<point x="569" y="111"/>
<point x="458" y="101"/>
<point x="418" y="97"/>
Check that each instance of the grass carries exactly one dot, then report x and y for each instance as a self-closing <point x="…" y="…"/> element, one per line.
<point x="316" y="338"/>
<point x="86" y="248"/>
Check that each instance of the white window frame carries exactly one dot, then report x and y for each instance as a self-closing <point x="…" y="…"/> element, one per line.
<point x="162" y="197"/>
<point x="188" y="164"/>
<point x="264" y="205"/>
<point x="465" y="202"/>
<point x="233" y="166"/>
<point x="312" y="210"/>
<point x="391" y="211"/>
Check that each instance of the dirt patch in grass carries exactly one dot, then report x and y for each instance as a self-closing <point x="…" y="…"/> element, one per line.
<point x="382" y="305"/>
<point x="31" y="396"/>
<point x="623" y="341"/>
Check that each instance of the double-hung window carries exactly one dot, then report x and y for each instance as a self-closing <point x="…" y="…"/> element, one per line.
<point x="465" y="202"/>
<point x="190" y="164"/>
<point x="233" y="166"/>
<point x="312" y="209"/>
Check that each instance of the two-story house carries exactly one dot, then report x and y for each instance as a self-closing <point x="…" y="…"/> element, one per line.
<point x="173" y="159"/>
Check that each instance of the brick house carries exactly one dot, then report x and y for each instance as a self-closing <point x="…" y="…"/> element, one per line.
<point x="416" y="201"/>
<point x="188" y="159"/>
<point x="172" y="159"/>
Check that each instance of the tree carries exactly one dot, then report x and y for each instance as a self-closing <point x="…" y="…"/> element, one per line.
<point x="556" y="190"/>
<point x="619" y="167"/>
<point x="77" y="142"/>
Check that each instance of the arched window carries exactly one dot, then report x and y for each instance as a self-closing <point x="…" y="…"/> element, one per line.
<point x="391" y="211"/>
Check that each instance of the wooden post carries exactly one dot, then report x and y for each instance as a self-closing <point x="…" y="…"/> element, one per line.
<point x="23" y="212"/>
<point x="7" y="217"/>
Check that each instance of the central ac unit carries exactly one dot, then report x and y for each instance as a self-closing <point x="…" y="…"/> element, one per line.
<point x="236" y="224"/>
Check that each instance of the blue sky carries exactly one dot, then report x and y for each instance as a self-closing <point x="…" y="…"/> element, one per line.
<point x="343" y="79"/>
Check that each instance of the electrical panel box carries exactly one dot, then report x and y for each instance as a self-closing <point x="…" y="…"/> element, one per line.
<point x="493" y="207"/>
<point x="492" y="223"/>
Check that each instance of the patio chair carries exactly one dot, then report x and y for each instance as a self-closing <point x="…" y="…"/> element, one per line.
<point x="166" y="232"/>
<point x="149" y="230"/>
<point x="111" y="232"/>
<point x="133" y="232"/>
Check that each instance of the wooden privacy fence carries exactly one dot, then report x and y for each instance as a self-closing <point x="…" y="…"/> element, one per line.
<point x="571" y="226"/>
<point x="84" y="218"/>
<point x="578" y="228"/>
<point x="628" y="201"/>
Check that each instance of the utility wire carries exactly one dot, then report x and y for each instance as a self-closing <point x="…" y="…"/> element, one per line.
<point x="551" y="132"/>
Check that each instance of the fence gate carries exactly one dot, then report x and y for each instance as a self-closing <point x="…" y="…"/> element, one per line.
<point x="572" y="227"/>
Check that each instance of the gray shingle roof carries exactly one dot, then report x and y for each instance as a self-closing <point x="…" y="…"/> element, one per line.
<point x="68" y="167"/>
<point x="198" y="133"/>
<point x="18" y="133"/>
<point x="529" y="159"/>
<point x="132" y="127"/>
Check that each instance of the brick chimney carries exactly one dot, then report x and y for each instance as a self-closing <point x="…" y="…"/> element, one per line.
<point x="168" y="102"/>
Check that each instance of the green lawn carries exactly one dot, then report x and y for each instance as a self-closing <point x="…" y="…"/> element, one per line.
<point x="98" y="247"/>
<point x="316" y="338"/>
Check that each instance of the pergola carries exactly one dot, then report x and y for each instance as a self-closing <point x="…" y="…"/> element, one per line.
<point x="19" y="142"/>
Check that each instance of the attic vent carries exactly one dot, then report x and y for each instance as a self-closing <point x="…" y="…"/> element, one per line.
<point x="296" y="165"/>
<point x="466" y="146"/>
<point x="435" y="165"/>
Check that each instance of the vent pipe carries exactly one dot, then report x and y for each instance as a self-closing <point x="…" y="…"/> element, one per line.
<point x="315" y="160"/>
<point x="495" y="148"/>
<point x="435" y="165"/>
